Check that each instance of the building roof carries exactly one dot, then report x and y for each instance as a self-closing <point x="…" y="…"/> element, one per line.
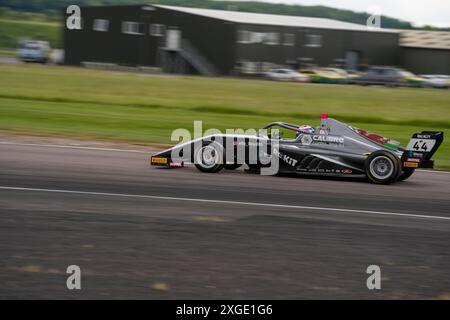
<point x="425" y="39"/>
<point x="274" y="19"/>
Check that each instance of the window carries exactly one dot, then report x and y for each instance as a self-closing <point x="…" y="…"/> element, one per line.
<point x="272" y="38"/>
<point x="267" y="66"/>
<point x="157" y="30"/>
<point x="243" y="36"/>
<point x="289" y="39"/>
<point x="313" y="40"/>
<point x="130" y="27"/>
<point x="246" y="67"/>
<point x="100" y="25"/>
<point x="257" y="37"/>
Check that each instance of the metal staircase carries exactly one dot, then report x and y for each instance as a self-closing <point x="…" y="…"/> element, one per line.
<point x="175" y="60"/>
<point x="196" y="59"/>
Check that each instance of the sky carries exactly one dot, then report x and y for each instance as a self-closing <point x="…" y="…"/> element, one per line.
<point x="418" y="12"/>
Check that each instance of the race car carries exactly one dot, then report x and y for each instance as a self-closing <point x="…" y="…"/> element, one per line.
<point x="332" y="149"/>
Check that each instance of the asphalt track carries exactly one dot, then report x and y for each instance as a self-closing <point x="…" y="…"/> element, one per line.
<point x="149" y="233"/>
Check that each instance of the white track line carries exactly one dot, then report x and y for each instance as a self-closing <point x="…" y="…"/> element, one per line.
<point x="270" y="205"/>
<point x="434" y="171"/>
<point x="70" y="147"/>
<point x="118" y="150"/>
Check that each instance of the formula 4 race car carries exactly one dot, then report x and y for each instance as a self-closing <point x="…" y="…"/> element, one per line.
<point x="332" y="149"/>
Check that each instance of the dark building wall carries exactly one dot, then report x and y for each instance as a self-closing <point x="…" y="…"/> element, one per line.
<point x="333" y="47"/>
<point x="426" y="61"/>
<point x="212" y="38"/>
<point x="262" y="52"/>
<point x="110" y="46"/>
<point x="377" y="48"/>
<point x="372" y="47"/>
<point x="216" y="40"/>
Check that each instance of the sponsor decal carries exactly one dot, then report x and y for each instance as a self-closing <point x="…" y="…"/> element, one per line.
<point x="315" y="170"/>
<point x="321" y="138"/>
<point x="289" y="160"/>
<point x="159" y="160"/>
<point x="413" y="160"/>
<point x="176" y="164"/>
<point x="410" y="164"/>
<point x="423" y="136"/>
<point x="306" y="140"/>
<point x="413" y="154"/>
<point x="328" y="139"/>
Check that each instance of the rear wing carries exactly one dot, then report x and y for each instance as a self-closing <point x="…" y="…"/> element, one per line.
<point x="421" y="148"/>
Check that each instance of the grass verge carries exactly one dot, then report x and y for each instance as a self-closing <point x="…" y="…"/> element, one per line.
<point x="145" y="109"/>
<point x="13" y="30"/>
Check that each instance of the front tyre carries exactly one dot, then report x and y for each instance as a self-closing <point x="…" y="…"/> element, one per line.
<point x="382" y="167"/>
<point x="209" y="158"/>
<point x="405" y="174"/>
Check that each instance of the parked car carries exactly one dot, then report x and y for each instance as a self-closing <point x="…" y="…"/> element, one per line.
<point x="436" y="81"/>
<point x="353" y="75"/>
<point x="34" y="51"/>
<point x="285" y="75"/>
<point x="324" y="75"/>
<point x="347" y="75"/>
<point x="389" y="76"/>
<point x="339" y="71"/>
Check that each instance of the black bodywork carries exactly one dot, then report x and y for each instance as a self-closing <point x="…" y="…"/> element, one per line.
<point x="332" y="149"/>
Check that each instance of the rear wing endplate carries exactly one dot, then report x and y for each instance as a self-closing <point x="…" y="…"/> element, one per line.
<point x="421" y="148"/>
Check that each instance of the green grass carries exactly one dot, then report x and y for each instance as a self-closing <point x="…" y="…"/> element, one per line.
<point x="13" y="30"/>
<point x="7" y="53"/>
<point x="145" y="109"/>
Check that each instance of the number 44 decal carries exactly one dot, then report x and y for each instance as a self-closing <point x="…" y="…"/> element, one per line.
<point x="418" y="147"/>
<point x="424" y="145"/>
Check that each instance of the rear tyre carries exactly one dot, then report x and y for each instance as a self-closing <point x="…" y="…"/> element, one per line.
<point x="405" y="174"/>
<point x="382" y="167"/>
<point x="209" y="158"/>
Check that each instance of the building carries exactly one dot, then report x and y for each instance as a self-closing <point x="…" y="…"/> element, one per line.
<point x="189" y="40"/>
<point x="217" y="42"/>
<point x="425" y="52"/>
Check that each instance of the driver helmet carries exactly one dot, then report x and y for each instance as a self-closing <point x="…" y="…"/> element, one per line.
<point x="306" y="129"/>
